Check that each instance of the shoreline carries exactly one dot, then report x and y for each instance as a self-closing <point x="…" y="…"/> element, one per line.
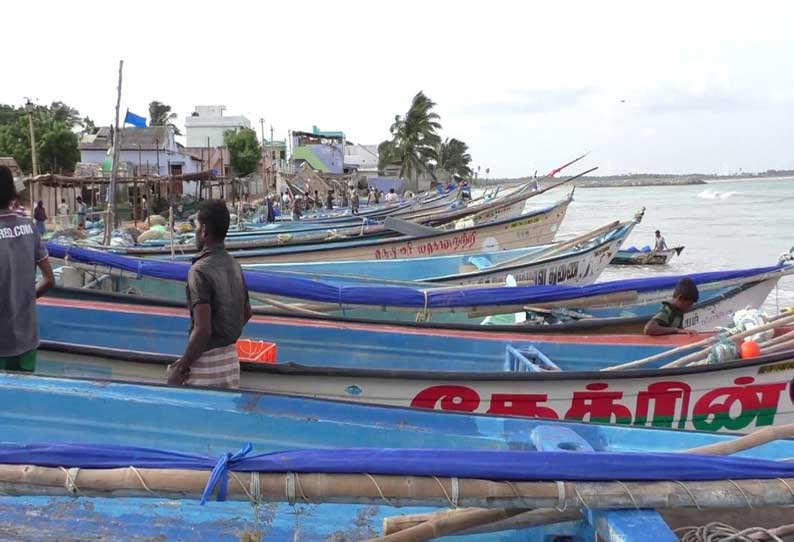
<point x="643" y="180"/>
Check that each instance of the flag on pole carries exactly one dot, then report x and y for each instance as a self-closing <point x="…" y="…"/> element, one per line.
<point x="135" y="120"/>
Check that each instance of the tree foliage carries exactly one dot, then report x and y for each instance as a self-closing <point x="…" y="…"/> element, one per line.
<point x="453" y="157"/>
<point x="56" y="142"/>
<point x="244" y="149"/>
<point x="414" y="138"/>
<point x="160" y="115"/>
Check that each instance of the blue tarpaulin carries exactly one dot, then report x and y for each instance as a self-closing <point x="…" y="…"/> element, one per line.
<point x="488" y="465"/>
<point x="402" y="296"/>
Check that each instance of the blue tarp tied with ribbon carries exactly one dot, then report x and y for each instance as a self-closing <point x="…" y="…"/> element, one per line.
<point x="400" y="296"/>
<point x="524" y="466"/>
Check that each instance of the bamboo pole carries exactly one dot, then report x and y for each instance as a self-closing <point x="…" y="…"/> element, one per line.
<point x="19" y="480"/>
<point x="704" y="353"/>
<point x="522" y="520"/>
<point x="775" y="321"/>
<point x="753" y="440"/>
<point x="541" y="517"/>
<point x="114" y="171"/>
<point x="447" y="523"/>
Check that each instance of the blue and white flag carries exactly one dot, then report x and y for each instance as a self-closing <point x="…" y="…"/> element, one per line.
<point x="135" y="120"/>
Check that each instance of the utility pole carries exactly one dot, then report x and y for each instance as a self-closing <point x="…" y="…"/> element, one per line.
<point x="111" y="218"/>
<point x="29" y="108"/>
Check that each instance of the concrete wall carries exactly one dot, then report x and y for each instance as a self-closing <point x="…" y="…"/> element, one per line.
<point x="188" y="164"/>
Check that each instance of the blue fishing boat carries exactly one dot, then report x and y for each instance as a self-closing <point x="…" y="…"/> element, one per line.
<point x="101" y="460"/>
<point x="721" y="292"/>
<point x="584" y="254"/>
<point x="548" y="376"/>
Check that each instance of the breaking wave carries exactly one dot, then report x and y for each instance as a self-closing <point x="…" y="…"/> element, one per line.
<point x="714" y="194"/>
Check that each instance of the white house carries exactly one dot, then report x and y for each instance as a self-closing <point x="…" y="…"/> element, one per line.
<point x="152" y="149"/>
<point x="362" y="158"/>
<point x="206" y="126"/>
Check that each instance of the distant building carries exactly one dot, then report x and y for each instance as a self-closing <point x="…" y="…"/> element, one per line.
<point x="323" y="151"/>
<point x="151" y="150"/>
<point x="206" y="126"/>
<point x="361" y="159"/>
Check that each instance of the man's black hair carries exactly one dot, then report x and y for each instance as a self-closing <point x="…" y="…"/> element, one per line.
<point x="215" y="216"/>
<point x="658" y="232"/>
<point x="8" y="191"/>
<point x="687" y="289"/>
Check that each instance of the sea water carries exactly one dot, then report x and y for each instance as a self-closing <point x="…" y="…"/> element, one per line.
<point x="723" y="225"/>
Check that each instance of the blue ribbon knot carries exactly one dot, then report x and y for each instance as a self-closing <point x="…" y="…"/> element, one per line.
<point x="220" y="474"/>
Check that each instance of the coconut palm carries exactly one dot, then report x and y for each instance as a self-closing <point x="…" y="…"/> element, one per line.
<point x="414" y="139"/>
<point x="160" y="115"/>
<point x="453" y="157"/>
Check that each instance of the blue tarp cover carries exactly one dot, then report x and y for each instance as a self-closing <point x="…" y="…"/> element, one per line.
<point x="489" y="465"/>
<point x="400" y="296"/>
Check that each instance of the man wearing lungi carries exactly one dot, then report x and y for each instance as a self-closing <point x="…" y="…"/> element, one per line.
<point x="217" y="297"/>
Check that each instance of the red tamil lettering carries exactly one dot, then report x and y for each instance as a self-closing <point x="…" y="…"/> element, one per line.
<point x="598" y="405"/>
<point x="521" y="404"/>
<point x="756" y="403"/>
<point x="665" y="397"/>
<point x="457" y="398"/>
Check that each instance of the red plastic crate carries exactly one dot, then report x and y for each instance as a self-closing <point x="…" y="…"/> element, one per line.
<point x="256" y="351"/>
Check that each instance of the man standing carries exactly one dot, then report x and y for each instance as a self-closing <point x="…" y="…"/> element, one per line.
<point x="63" y="214"/>
<point x="660" y="243"/>
<point x="21" y="251"/>
<point x="217" y="297"/>
<point x="81" y="211"/>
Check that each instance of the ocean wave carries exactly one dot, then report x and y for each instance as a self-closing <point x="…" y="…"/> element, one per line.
<point x="714" y="194"/>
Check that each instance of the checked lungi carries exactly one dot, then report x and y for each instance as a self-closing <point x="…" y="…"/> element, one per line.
<point x="219" y="367"/>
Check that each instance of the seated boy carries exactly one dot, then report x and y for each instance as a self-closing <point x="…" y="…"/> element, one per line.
<point x="670" y="319"/>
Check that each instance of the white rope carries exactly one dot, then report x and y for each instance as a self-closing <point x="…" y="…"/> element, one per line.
<point x="71" y="480"/>
<point x="562" y="503"/>
<point x="290" y="488"/>
<point x="382" y="496"/>
<point x="455" y="491"/>
<point x="141" y="480"/>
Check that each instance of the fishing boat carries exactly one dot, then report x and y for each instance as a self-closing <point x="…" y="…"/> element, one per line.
<point x="466" y="219"/>
<point x="645" y="256"/>
<point x="134" y="462"/>
<point x="533" y="228"/>
<point x="586" y="253"/>
<point x="721" y="293"/>
<point x="551" y="376"/>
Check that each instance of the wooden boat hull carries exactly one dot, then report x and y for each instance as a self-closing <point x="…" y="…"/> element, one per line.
<point x="577" y="265"/>
<point x="215" y="422"/>
<point x="461" y="371"/>
<point x="656" y="257"/>
<point x="736" y="397"/>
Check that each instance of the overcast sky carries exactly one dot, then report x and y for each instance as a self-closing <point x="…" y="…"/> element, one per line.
<point x="668" y="87"/>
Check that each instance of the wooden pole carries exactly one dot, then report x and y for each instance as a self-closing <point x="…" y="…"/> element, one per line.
<point x="19" y="480"/>
<point x="775" y="321"/>
<point x="111" y="216"/>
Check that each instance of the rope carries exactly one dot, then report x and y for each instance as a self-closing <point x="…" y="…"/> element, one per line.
<point x="71" y="480"/>
<point x="562" y="504"/>
<point x="300" y="488"/>
<point x="746" y="499"/>
<point x="720" y="532"/>
<point x="691" y="496"/>
<point x="790" y="490"/>
<point x="382" y="496"/>
<point x="449" y="499"/>
<point x="423" y="315"/>
<point x="626" y="489"/>
<point x="141" y="480"/>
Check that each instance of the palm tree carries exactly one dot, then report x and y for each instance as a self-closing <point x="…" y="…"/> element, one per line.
<point x="414" y="139"/>
<point x="453" y="157"/>
<point x="160" y="115"/>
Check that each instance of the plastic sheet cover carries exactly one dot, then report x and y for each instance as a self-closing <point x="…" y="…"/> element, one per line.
<point x="488" y="465"/>
<point x="401" y="296"/>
